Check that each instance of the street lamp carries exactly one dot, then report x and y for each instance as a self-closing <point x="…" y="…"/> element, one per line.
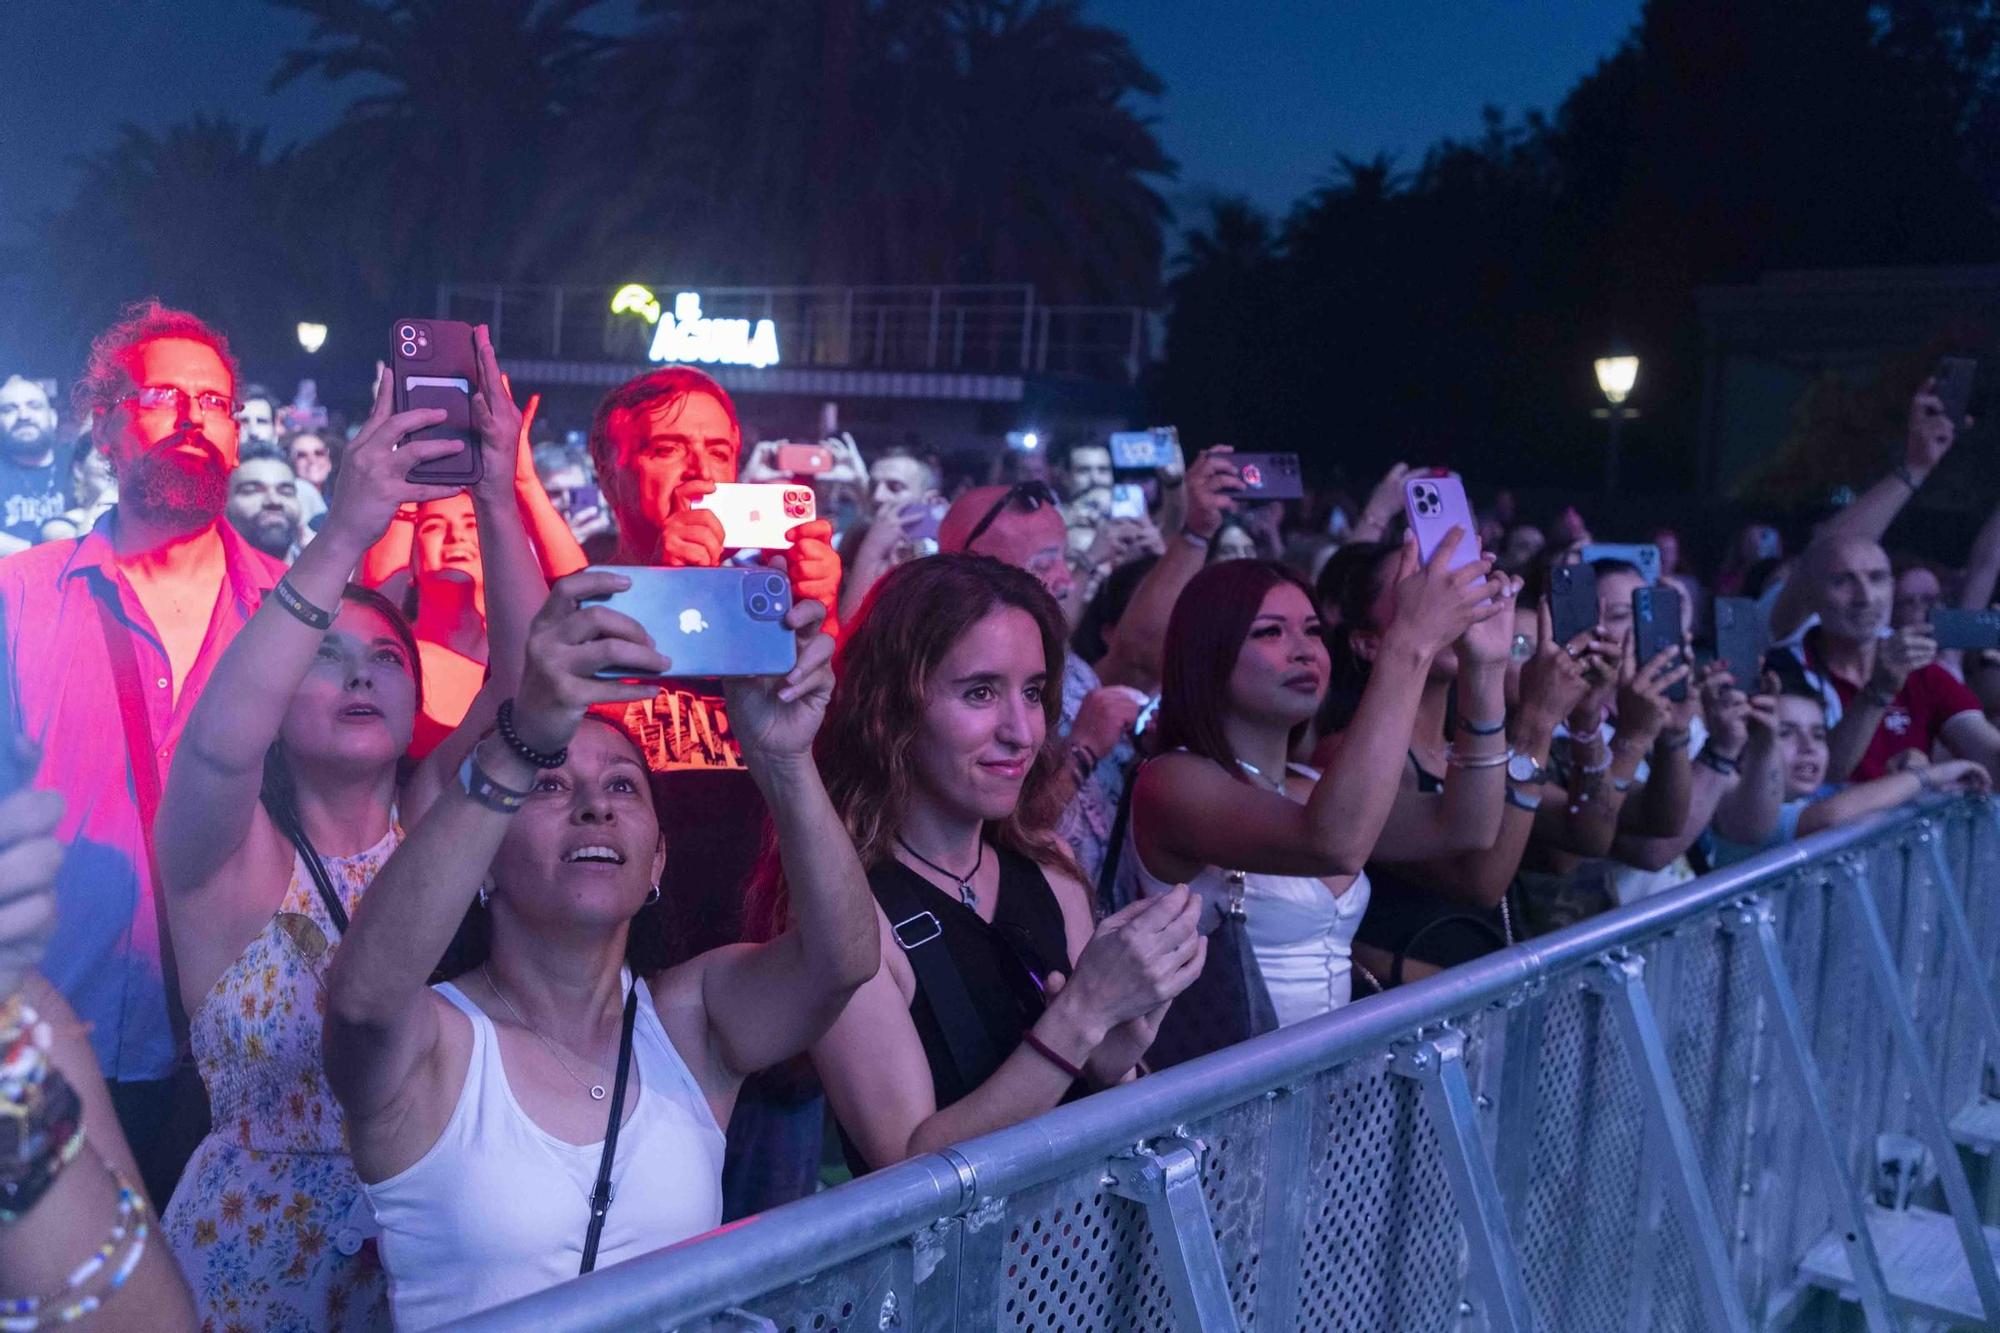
<point x="312" y="337"/>
<point x="1616" y="374"/>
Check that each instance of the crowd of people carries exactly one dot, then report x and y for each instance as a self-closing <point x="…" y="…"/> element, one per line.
<point x="416" y="939"/>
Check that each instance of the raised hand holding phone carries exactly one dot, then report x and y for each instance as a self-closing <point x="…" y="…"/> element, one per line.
<point x="375" y="468"/>
<point x="1436" y="505"/>
<point x="570" y="644"/>
<point x="776" y="717"/>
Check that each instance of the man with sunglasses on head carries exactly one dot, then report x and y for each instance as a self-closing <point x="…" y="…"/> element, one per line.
<point x="109" y="639"/>
<point x="1023" y="525"/>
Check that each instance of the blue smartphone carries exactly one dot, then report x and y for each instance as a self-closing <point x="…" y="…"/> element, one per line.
<point x="710" y="623"/>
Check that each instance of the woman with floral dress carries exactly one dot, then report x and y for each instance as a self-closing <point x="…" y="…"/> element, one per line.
<point x="284" y="797"/>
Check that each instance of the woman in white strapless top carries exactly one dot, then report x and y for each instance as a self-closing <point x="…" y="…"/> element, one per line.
<point x="1246" y="670"/>
<point x="1300" y="927"/>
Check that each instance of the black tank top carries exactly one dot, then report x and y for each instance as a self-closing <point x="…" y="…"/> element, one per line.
<point x="1002" y="963"/>
<point x="1400" y="906"/>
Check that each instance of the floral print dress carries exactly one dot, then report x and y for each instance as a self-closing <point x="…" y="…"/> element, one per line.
<point x="269" y="1222"/>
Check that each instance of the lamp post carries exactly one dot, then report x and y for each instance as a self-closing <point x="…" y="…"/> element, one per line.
<point x="312" y="337"/>
<point x="1616" y="374"/>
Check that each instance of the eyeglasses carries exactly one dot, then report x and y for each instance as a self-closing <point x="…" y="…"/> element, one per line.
<point x="156" y="396"/>
<point x="1030" y="495"/>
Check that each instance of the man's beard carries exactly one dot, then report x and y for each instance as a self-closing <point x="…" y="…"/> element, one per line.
<point x="28" y="443"/>
<point x="271" y="534"/>
<point x="172" y="489"/>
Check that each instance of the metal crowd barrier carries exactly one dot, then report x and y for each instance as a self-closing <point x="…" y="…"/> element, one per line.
<point x="1763" y="1100"/>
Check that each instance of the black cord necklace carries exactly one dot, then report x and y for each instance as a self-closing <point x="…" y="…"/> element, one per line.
<point x="965" y="893"/>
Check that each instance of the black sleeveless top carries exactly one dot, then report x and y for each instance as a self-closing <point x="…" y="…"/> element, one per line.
<point x="1400" y="907"/>
<point x="1002" y="964"/>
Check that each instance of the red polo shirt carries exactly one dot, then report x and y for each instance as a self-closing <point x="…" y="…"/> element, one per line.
<point x="1930" y="697"/>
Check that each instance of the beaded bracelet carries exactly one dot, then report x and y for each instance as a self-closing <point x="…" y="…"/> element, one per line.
<point x="533" y="758"/>
<point x="129" y="1229"/>
<point x="314" y="617"/>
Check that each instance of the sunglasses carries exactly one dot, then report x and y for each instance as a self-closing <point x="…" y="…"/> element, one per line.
<point x="1030" y="495"/>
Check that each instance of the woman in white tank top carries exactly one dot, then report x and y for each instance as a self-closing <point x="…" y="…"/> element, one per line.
<point x="1246" y="670"/>
<point x="478" y="1110"/>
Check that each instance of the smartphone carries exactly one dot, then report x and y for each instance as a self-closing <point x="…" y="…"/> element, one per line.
<point x="1435" y="503"/>
<point x="710" y="623"/>
<point x="1966" y="631"/>
<point x="1643" y="557"/>
<point x="805" y="460"/>
<point x="757" y="515"/>
<point x="1656" y="626"/>
<point x="1269" y="477"/>
<point x="435" y="365"/>
<point x="1742" y="633"/>
<point x="920" y="522"/>
<point x="1145" y="450"/>
<point x="1128" y="500"/>
<point x="1953" y="385"/>
<point x="1572" y="601"/>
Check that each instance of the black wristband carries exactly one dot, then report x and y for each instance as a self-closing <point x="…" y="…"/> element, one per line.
<point x="301" y="610"/>
<point x="1721" y="763"/>
<point x="1908" y="478"/>
<point x="533" y="758"/>
<point x="1471" y="728"/>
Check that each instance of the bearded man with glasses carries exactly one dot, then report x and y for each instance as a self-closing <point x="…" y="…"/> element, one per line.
<point x="108" y="640"/>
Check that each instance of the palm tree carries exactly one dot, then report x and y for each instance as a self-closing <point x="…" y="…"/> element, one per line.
<point x="444" y="169"/>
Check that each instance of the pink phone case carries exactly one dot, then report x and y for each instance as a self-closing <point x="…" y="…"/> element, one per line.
<point x="1436" y="504"/>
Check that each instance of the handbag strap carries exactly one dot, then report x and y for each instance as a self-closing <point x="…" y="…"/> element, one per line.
<point x="921" y="935"/>
<point x="335" y="909"/>
<point x="600" y="1193"/>
<point x="1478" y="923"/>
<point x="145" y="768"/>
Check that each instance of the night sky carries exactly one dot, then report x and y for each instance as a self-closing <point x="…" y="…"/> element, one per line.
<point x="1261" y="94"/>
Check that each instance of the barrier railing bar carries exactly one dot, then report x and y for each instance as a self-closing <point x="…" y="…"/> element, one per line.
<point x="1520" y="1089"/>
<point x="1958" y="937"/>
<point x="1924" y="1107"/>
<point x="1621" y="981"/>
<point x="1281" y="1239"/>
<point x="1752" y="922"/>
<point x="681" y="1282"/>
<point x="1437" y="1064"/>
<point x="1168" y="1185"/>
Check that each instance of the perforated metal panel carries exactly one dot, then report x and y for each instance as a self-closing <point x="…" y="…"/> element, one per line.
<point x="1076" y="1258"/>
<point x="1577" y="1227"/>
<point x="1382" y="1244"/>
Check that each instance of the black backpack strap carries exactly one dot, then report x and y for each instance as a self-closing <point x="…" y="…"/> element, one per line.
<point x="600" y="1193"/>
<point x="921" y="935"/>
<point x="1114" y="849"/>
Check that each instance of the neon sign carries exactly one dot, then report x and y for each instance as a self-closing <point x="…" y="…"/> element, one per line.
<point x="685" y="334"/>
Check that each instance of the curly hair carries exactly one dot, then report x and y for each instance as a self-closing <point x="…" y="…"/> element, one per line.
<point x="106" y="375"/>
<point x="909" y="622"/>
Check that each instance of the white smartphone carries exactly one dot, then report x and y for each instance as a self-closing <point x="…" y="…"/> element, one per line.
<point x="1128" y="501"/>
<point x="1435" y="503"/>
<point x="757" y="515"/>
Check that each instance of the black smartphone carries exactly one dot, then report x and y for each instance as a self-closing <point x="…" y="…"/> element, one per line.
<point x="1572" y="601"/>
<point x="1269" y="476"/>
<point x="1742" y="633"/>
<point x="436" y="365"/>
<point x="1656" y="626"/>
<point x="1966" y="631"/>
<point x="710" y="623"/>
<point x="1953" y="385"/>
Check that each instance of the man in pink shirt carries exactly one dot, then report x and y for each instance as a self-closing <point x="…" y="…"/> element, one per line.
<point x="109" y="639"/>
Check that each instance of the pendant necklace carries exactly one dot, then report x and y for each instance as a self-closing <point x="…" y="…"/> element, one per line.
<point x="1277" y="786"/>
<point x="965" y="892"/>
<point x="596" y="1090"/>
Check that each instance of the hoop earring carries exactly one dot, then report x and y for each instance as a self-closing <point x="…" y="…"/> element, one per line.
<point x="485" y="892"/>
<point x="654" y="896"/>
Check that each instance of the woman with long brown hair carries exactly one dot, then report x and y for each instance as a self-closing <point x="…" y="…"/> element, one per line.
<point x="996" y="996"/>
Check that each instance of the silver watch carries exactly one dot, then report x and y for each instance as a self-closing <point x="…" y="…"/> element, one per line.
<point x="1524" y="767"/>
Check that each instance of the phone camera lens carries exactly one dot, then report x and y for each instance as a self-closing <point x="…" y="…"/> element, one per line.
<point x="409" y="349"/>
<point x="407" y="332"/>
<point x="759" y="604"/>
<point x="776" y="585"/>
